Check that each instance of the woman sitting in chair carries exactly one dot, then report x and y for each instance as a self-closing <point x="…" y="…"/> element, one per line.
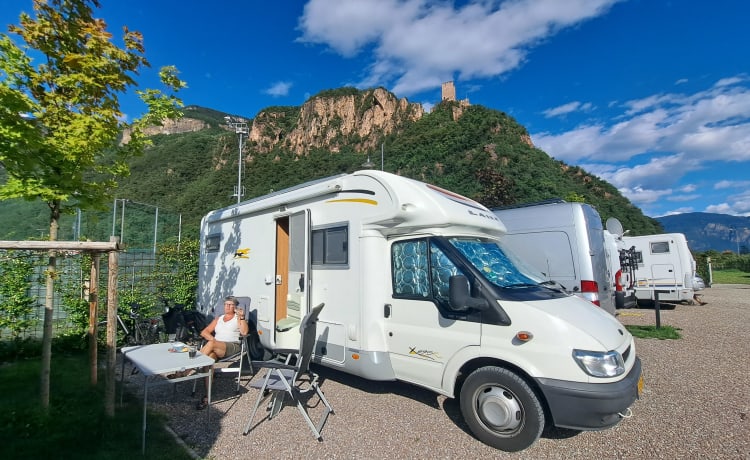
<point x="222" y="335"/>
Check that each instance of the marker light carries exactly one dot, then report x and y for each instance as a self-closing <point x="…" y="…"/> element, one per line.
<point x="524" y="336"/>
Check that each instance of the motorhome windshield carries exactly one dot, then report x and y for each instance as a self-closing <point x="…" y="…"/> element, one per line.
<point x="495" y="263"/>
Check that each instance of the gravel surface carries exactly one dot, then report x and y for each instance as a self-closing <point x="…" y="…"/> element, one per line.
<point x="695" y="404"/>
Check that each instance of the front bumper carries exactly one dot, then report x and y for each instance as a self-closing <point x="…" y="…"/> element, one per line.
<point x="590" y="406"/>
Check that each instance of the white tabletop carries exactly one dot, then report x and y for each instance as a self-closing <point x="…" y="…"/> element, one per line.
<point x="157" y="359"/>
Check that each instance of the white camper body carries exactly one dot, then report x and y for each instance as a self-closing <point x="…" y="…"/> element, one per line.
<point x="418" y="287"/>
<point x="565" y="242"/>
<point x="664" y="264"/>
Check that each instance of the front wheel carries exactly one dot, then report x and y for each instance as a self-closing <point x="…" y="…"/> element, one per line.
<point x="501" y="409"/>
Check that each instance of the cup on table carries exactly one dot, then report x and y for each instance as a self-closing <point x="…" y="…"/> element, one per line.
<point x="191" y="352"/>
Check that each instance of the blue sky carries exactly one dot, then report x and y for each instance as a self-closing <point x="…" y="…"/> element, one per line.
<point x="651" y="95"/>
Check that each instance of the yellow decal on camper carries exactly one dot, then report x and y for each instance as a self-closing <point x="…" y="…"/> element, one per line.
<point x="354" y="200"/>
<point x="242" y="253"/>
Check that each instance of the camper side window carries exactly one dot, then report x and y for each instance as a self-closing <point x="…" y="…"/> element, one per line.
<point x="660" y="247"/>
<point x="330" y="246"/>
<point x="213" y="242"/>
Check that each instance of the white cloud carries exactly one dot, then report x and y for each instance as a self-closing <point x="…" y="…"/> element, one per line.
<point x="724" y="184"/>
<point x="711" y="124"/>
<point x="417" y="44"/>
<point x="565" y="109"/>
<point x="279" y="89"/>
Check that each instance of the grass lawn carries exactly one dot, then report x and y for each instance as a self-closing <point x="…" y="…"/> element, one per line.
<point x="76" y="426"/>
<point x="732" y="276"/>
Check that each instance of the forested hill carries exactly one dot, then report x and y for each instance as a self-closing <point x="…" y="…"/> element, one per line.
<point x="192" y="166"/>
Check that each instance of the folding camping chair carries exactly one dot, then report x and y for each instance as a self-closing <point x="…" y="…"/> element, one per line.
<point x="292" y="378"/>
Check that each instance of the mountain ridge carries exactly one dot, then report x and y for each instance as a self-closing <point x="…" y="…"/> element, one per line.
<point x="479" y="152"/>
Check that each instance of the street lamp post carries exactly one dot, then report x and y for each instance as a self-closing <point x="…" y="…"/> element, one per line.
<point x="240" y="128"/>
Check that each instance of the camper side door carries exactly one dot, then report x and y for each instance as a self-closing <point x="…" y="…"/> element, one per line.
<point x="422" y="334"/>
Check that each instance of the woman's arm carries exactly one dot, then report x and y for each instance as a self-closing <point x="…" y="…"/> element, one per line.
<point x="208" y="332"/>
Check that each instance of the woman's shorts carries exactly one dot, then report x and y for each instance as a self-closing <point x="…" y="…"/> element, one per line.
<point x="232" y="349"/>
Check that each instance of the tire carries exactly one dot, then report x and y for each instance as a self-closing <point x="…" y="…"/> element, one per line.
<point x="501" y="409"/>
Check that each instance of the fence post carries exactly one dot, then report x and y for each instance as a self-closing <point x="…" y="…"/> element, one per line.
<point x="109" y="392"/>
<point x="657" y="309"/>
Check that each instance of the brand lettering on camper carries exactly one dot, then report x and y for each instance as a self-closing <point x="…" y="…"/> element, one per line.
<point x="489" y="216"/>
<point x="424" y="353"/>
<point x="243" y="253"/>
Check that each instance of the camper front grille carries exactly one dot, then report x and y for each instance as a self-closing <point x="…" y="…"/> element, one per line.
<point x="625" y="355"/>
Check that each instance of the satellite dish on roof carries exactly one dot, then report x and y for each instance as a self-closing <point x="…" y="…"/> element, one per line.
<point x="614" y="226"/>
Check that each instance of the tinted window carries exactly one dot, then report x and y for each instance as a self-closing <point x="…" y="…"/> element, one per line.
<point x="660" y="247"/>
<point x="330" y="246"/>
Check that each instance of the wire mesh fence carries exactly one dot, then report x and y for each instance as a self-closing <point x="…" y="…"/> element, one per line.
<point x="143" y="278"/>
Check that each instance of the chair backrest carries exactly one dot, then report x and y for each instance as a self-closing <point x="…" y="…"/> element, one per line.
<point x="308" y="331"/>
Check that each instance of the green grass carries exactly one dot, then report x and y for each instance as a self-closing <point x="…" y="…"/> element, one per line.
<point x="651" y="332"/>
<point x="732" y="276"/>
<point x="76" y="426"/>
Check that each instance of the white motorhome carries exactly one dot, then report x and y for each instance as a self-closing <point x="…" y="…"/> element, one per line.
<point x="419" y="287"/>
<point x="565" y="242"/>
<point x="664" y="264"/>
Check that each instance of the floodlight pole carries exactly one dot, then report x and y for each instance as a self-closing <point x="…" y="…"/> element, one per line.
<point x="240" y="128"/>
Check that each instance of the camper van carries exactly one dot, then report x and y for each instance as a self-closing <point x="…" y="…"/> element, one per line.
<point x="664" y="264"/>
<point x="419" y="287"/>
<point x="564" y="241"/>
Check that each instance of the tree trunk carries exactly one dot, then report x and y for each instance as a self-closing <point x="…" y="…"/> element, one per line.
<point x="49" y="305"/>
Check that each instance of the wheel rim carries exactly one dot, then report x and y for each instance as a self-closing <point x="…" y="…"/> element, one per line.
<point x="499" y="409"/>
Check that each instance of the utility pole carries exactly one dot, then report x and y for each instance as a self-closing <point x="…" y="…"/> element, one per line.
<point x="240" y="128"/>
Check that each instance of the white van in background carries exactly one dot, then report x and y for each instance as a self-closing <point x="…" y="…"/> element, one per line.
<point x="419" y="287"/>
<point x="664" y="264"/>
<point x="565" y="242"/>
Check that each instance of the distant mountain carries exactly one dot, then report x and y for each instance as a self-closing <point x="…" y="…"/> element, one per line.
<point x="706" y="231"/>
<point x="192" y="165"/>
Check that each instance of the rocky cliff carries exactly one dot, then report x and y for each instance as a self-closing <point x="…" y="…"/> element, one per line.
<point x="331" y="119"/>
<point x="183" y="125"/>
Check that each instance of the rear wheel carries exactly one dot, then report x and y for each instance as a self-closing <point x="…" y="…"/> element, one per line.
<point x="501" y="409"/>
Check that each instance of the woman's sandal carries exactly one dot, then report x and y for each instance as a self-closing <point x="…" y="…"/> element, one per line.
<point x="202" y="404"/>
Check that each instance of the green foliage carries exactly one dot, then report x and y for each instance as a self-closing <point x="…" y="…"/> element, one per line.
<point x="574" y="197"/>
<point x="337" y="92"/>
<point x="730" y="276"/>
<point x="76" y="426"/>
<point x="72" y="278"/>
<point x="652" y="332"/>
<point x="16" y="305"/>
<point x="177" y="272"/>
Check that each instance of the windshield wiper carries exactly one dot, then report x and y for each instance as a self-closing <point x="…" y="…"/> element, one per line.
<point x="554" y="285"/>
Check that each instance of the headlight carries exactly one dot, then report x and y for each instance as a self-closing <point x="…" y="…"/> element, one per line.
<point x="600" y="364"/>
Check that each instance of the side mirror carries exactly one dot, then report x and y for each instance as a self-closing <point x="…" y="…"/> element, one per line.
<point x="460" y="297"/>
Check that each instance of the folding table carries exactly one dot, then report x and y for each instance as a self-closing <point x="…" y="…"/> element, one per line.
<point x="156" y="361"/>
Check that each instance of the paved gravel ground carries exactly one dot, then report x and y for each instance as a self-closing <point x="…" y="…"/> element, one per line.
<point x="695" y="404"/>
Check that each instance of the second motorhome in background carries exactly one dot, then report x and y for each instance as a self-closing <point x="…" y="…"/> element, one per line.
<point x="565" y="242"/>
<point x="664" y="264"/>
<point x="418" y="286"/>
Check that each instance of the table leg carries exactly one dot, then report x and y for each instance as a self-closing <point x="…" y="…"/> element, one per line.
<point x="210" y="385"/>
<point x="145" y="403"/>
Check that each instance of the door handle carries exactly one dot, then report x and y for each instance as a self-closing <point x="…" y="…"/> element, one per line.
<point x="387" y="310"/>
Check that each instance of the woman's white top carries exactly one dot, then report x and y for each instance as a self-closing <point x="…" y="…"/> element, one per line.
<point x="227" y="331"/>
